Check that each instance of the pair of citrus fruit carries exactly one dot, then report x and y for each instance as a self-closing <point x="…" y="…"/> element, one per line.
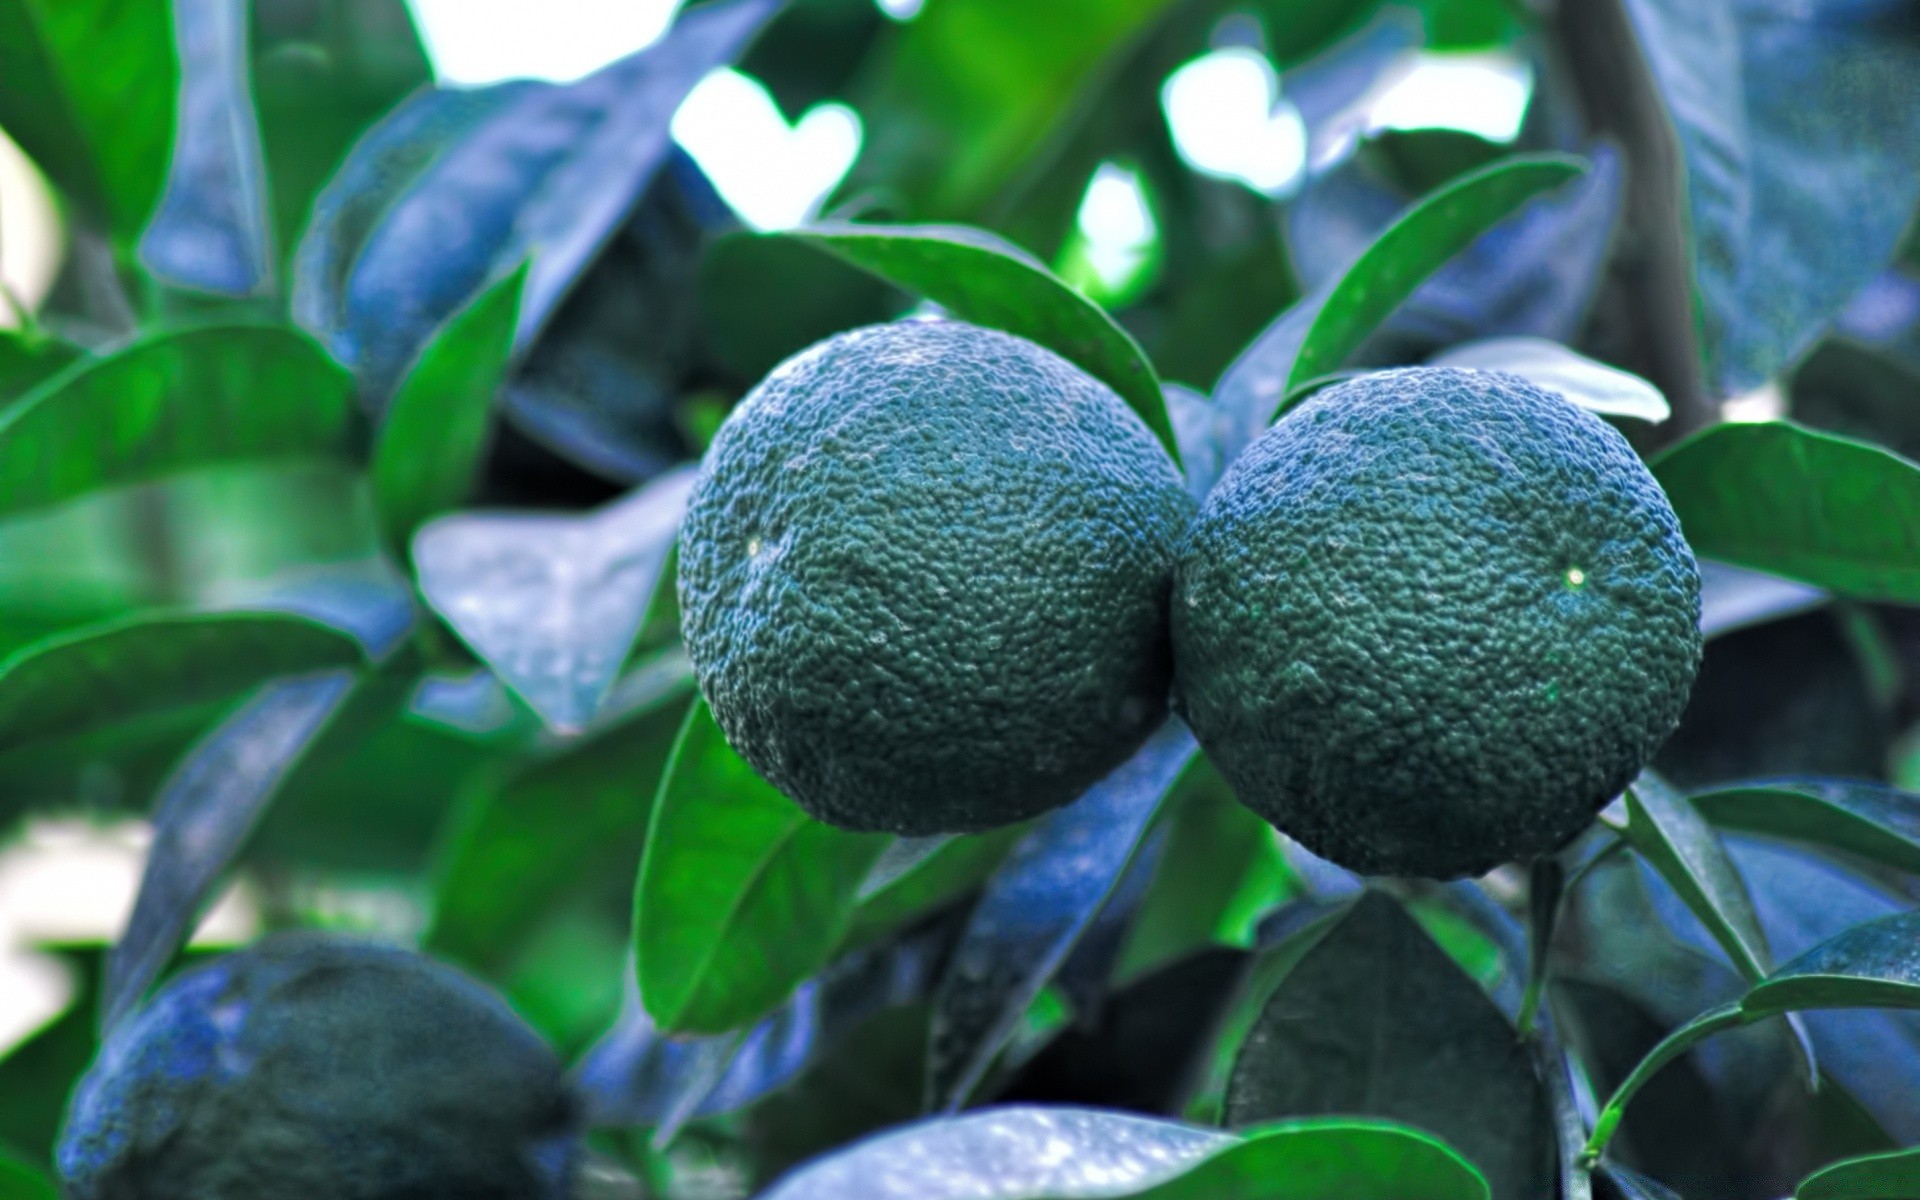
<point x="935" y="578"/>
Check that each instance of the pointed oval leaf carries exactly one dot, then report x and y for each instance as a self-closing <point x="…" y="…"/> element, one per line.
<point x="1376" y="1020"/>
<point x="553" y="603"/>
<point x="26" y="360"/>
<point x="1038" y="905"/>
<point x="918" y="875"/>
<point x="21" y="1181"/>
<point x="1679" y="843"/>
<point x="1416" y="246"/>
<point x="104" y="674"/>
<point x="1007" y="1154"/>
<point x="214" y="230"/>
<point x="1594" y="386"/>
<point x="1331" y="1159"/>
<point x="87" y="89"/>
<point x="435" y="433"/>
<point x="170" y="402"/>
<point x="1781" y="498"/>
<point x="1894" y="1175"/>
<point x="741" y="896"/>
<point x="202" y="817"/>
<point x="1875" y="965"/>
<point x="1880" y="824"/>
<point x="981" y="278"/>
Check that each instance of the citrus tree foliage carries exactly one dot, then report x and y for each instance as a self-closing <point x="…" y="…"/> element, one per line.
<point x="342" y="471"/>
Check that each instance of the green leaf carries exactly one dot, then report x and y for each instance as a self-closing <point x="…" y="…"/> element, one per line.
<point x="935" y="875"/>
<point x="92" y="678"/>
<point x="1678" y="843"/>
<point x="19" y="1181"/>
<point x="1594" y="386"/>
<point x="1894" y="1175"/>
<point x="980" y="278"/>
<point x="1875" y="965"/>
<point x="523" y="840"/>
<point x="1375" y="1020"/>
<point x="1328" y="1160"/>
<point x="741" y="895"/>
<point x="435" y="433"/>
<point x="1874" y="822"/>
<point x="170" y="402"/>
<point x="26" y="360"/>
<point x="1781" y="498"/>
<point x="1414" y="247"/>
<point x="87" y="88"/>
<point x="38" y="1072"/>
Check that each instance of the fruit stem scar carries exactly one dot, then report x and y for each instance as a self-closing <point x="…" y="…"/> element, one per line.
<point x="1576" y="578"/>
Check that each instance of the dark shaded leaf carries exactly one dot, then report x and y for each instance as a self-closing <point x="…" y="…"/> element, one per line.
<point x="1630" y="1185"/>
<point x="124" y="670"/>
<point x="1800" y="128"/>
<point x="1860" y="391"/>
<point x="1376" y="1020"/>
<point x="939" y="871"/>
<point x="27" y="359"/>
<point x="1878" y="823"/>
<point x="38" y="1072"/>
<point x="741" y="896"/>
<point x="1676" y="840"/>
<point x="22" y="1181"/>
<point x="213" y="231"/>
<point x="170" y="402"/>
<point x="1007" y="1154"/>
<point x="435" y="433"/>
<point x="1875" y="965"/>
<point x="553" y="603"/>
<point x="1894" y="1175"/>
<point x="1776" y="497"/>
<point x="453" y="190"/>
<point x="764" y="299"/>
<point x="982" y="279"/>
<point x="87" y="89"/>
<point x="202" y="818"/>
<point x="1038" y="905"/>
<point x="1733" y="598"/>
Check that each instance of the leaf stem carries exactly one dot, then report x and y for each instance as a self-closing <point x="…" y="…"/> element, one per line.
<point x="1681" y="1040"/>
<point x="1550" y="1058"/>
<point x="1546" y="884"/>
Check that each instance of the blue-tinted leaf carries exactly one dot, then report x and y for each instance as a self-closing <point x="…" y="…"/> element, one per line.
<point x="213" y="231"/>
<point x="553" y="603"/>
<point x="28" y="359"/>
<point x="1330" y="83"/>
<point x="1007" y="1154"/>
<point x="1631" y="1185"/>
<point x="1800" y="129"/>
<point x="1594" y="386"/>
<point x="170" y="402"/>
<point x="470" y="186"/>
<point x="1777" y="497"/>
<point x="201" y="819"/>
<point x="1894" y="1175"/>
<point x="980" y="278"/>
<point x="1038" y="905"/>
<point x="742" y="896"/>
<point x="1875" y="965"/>
<point x="1734" y="597"/>
<point x="1677" y="841"/>
<point x="1878" y="823"/>
<point x="1197" y="425"/>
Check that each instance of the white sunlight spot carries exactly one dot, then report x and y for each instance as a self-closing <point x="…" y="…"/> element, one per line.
<point x="1764" y="403"/>
<point x="1229" y="120"/>
<point x="901" y="10"/>
<point x="1480" y="93"/>
<point x="29" y="234"/>
<point x="485" y="41"/>
<point x="774" y="175"/>
<point x="1115" y="235"/>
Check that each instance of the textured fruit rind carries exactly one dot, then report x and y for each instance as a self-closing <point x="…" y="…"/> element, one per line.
<point x="316" y="1068"/>
<point x="1433" y="620"/>
<point x="923" y="578"/>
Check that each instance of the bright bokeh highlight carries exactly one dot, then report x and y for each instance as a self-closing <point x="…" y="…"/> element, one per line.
<point x="30" y="234"/>
<point x="1229" y="120"/>
<point x="774" y="175"/>
<point x="487" y="41"/>
<point x="1111" y="253"/>
<point x="1480" y="93"/>
<point x="901" y="10"/>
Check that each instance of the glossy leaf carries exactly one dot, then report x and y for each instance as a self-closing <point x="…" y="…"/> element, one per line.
<point x="1417" y="245"/>
<point x="214" y="227"/>
<point x="87" y="89"/>
<point x="1594" y="386"/>
<point x="1375" y="1020"/>
<point x="435" y="433"/>
<point x="1329" y="1159"/>
<point x="741" y="896"/>
<point x="1894" y="1175"/>
<point x="1008" y="1154"/>
<point x="1876" y="965"/>
<point x="1880" y="824"/>
<point x="1676" y="840"/>
<point x="1038" y="905"/>
<point x="523" y="840"/>
<point x="94" y="677"/>
<point x="1800" y="130"/>
<point x="1810" y="506"/>
<point x="980" y="278"/>
<point x="525" y="166"/>
<point x="201" y="819"/>
<point x="173" y="401"/>
<point x="553" y="603"/>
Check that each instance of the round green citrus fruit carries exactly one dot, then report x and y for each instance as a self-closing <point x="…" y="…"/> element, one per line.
<point x="1433" y="620"/>
<point x="924" y="576"/>
<point x="317" y="1068"/>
